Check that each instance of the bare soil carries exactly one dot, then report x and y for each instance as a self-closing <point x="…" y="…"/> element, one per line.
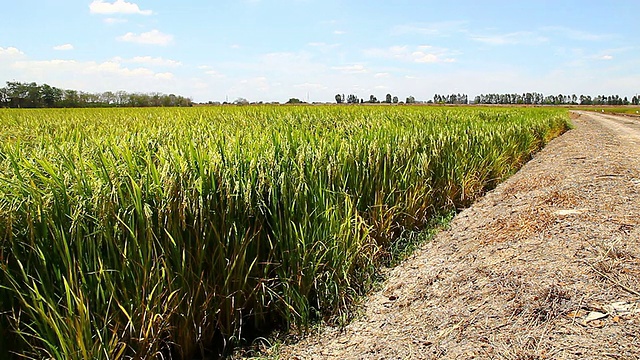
<point x="545" y="266"/>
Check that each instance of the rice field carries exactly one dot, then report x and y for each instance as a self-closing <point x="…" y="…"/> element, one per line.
<point x="619" y="110"/>
<point x="137" y="233"/>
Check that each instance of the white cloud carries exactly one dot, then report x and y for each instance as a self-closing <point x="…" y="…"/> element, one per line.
<point x="421" y="57"/>
<point x="64" y="47"/>
<point x="584" y="58"/>
<point x="81" y="67"/>
<point x="611" y="53"/>
<point x="153" y="37"/>
<point x="260" y="84"/>
<point x="575" y="34"/>
<point x="214" y="74"/>
<point x="112" y="21"/>
<point x="310" y="86"/>
<point x="164" y="76"/>
<point x="443" y="28"/>
<point x="381" y="75"/>
<point x="351" y="69"/>
<point x="10" y="52"/>
<point x="117" y="7"/>
<point x="95" y="76"/>
<point x="288" y="64"/>
<point x="339" y="32"/>
<point x="324" y="47"/>
<point x="155" y="61"/>
<point x="520" y="37"/>
<point x="115" y="68"/>
<point x="417" y="54"/>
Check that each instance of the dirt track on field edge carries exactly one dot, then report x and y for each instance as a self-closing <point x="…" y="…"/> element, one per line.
<point x="547" y="265"/>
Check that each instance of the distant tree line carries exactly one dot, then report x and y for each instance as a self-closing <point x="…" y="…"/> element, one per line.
<point x="295" y="101"/>
<point x="31" y="95"/>
<point x="451" y="99"/>
<point x="353" y="99"/>
<point x="560" y="99"/>
<point x="532" y="98"/>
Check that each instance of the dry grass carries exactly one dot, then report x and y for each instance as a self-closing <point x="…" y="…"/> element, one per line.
<point x="528" y="184"/>
<point x="524" y="223"/>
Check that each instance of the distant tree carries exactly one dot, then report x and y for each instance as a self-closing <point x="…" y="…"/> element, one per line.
<point x="71" y="98"/>
<point x="4" y="97"/>
<point x="352" y="99"/>
<point x="119" y="98"/>
<point x="339" y="99"/>
<point x="140" y="100"/>
<point x="241" y="101"/>
<point x="155" y="99"/>
<point x="34" y="96"/>
<point x="388" y="99"/>
<point x="395" y="100"/>
<point x="411" y="100"/>
<point x="17" y="94"/>
<point x="108" y="98"/>
<point x="51" y="96"/>
<point x="462" y="98"/>
<point x="170" y="100"/>
<point x="294" y="101"/>
<point x="373" y="99"/>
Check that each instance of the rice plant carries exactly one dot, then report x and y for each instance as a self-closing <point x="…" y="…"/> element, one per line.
<point x="173" y="233"/>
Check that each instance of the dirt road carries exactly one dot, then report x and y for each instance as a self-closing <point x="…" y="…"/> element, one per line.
<point x="627" y="127"/>
<point x="545" y="266"/>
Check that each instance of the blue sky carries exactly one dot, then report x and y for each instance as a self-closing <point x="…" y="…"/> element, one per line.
<point x="272" y="50"/>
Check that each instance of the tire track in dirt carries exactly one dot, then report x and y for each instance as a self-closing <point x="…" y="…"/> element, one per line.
<point x="521" y="273"/>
